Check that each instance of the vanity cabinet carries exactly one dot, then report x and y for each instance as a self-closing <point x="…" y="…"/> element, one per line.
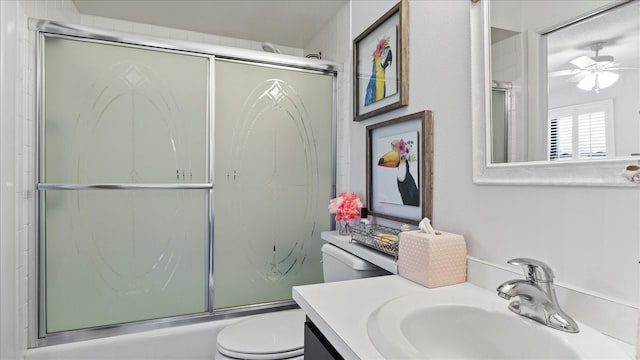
<point x="316" y="345"/>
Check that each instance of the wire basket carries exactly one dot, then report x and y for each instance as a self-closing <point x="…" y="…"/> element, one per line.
<point x="378" y="237"/>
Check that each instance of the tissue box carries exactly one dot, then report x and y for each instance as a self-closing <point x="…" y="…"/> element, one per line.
<point x="432" y="260"/>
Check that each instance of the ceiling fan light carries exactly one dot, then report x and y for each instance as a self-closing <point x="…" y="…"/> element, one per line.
<point x="587" y="83"/>
<point x="606" y="79"/>
<point x="598" y="80"/>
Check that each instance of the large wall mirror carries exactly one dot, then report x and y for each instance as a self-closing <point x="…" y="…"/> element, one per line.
<point x="555" y="91"/>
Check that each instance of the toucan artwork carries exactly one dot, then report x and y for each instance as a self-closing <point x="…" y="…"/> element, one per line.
<point x="382" y="57"/>
<point x="399" y="157"/>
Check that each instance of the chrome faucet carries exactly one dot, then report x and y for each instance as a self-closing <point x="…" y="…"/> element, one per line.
<point x="537" y="296"/>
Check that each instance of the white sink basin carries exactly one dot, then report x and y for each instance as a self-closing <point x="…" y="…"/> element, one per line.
<point x="467" y="322"/>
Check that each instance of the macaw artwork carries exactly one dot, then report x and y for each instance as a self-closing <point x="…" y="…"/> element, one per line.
<point x="382" y="58"/>
<point x="399" y="157"/>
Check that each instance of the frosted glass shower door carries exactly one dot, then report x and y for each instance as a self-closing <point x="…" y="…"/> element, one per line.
<point x="273" y="179"/>
<point x="124" y="184"/>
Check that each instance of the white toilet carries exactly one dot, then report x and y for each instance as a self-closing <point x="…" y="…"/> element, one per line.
<point x="280" y="335"/>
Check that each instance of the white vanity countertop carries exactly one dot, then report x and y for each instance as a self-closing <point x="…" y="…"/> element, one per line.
<point x="341" y="309"/>
<point x="375" y="257"/>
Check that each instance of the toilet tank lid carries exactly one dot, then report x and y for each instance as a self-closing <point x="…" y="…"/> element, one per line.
<point x="347" y="258"/>
<point x="264" y="336"/>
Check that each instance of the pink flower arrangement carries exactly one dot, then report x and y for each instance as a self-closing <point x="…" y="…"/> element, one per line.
<point x="346" y="206"/>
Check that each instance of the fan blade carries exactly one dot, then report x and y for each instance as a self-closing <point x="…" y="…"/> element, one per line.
<point x="564" y="72"/>
<point x="583" y="62"/>
<point x="623" y="68"/>
<point x="578" y="77"/>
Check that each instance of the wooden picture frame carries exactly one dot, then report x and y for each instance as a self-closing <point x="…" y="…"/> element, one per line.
<point x="399" y="162"/>
<point x="380" y="64"/>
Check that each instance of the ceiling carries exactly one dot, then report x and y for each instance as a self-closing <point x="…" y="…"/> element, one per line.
<point x="618" y="30"/>
<point x="290" y="23"/>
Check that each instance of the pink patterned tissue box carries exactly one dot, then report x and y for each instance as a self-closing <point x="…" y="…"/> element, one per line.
<point x="432" y="260"/>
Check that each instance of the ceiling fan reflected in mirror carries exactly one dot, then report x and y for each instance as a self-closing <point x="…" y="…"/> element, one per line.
<point x="593" y="73"/>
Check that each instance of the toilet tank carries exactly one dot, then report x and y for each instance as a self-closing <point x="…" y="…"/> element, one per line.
<point x="339" y="265"/>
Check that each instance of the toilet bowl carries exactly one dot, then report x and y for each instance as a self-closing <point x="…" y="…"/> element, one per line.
<point x="280" y="335"/>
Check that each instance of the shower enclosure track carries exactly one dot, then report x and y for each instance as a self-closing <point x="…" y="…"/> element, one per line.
<point x="124" y="186"/>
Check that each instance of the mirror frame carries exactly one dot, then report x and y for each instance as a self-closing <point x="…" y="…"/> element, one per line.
<point x="573" y="173"/>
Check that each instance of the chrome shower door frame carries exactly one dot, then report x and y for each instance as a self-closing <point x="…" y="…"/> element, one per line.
<point x="43" y="28"/>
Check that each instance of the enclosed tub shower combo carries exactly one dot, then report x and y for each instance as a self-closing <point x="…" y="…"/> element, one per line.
<point x="144" y="145"/>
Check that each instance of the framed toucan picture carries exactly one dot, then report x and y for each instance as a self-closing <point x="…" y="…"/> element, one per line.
<point x="399" y="168"/>
<point x="380" y="70"/>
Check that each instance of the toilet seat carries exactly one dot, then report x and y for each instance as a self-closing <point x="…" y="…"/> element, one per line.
<point x="277" y="335"/>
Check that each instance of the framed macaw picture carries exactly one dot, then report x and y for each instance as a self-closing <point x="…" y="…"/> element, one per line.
<point x="380" y="70"/>
<point x="399" y="168"/>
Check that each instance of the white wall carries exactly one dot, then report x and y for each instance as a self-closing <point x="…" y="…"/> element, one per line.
<point x="507" y="66"/>
<point x="16" y="151"/>
<point x="335" y="43"/>
<point x="589" y="236"/>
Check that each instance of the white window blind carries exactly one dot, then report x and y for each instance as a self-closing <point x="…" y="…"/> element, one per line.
<point x="581" y="131"/>
<point x="592" y="135"/>
<point x="561" y="135"/>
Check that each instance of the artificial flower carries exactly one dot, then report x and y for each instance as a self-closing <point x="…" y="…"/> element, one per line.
<point x="334" y="204"/>
<point x="347" y="206"/>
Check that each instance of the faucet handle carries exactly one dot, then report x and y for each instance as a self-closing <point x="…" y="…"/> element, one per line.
<point x="534" y="270"/>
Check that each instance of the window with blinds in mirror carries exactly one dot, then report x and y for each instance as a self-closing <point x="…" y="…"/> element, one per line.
<point x="583" y="131"/>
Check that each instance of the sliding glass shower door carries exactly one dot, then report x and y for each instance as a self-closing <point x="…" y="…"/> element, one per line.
<point x="273" y="180"/>
<point x="174" y="185"/>
<point x="125" y="184"/>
